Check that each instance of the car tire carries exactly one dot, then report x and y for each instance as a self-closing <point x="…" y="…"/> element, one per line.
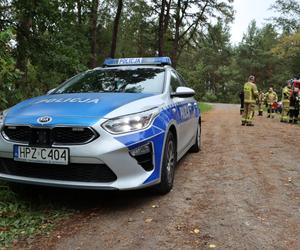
<point x="168" y="165"/>
<point x="197" y="145"/>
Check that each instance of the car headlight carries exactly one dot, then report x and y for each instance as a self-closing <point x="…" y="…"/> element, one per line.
<point x="130" y="123"/>
<point x="2" y="115"/>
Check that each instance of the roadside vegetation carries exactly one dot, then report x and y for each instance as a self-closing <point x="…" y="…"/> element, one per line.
<point x="24" y="216"/>
<point x="205" y="107"/>
<point x="44" y="43"/>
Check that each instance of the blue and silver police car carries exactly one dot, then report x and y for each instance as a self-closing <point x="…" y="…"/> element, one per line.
<point x="123" y="126"/>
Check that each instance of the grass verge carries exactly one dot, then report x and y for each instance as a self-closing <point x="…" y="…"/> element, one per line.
<point x="205" y="107"/>
<point x="22" y="217"/>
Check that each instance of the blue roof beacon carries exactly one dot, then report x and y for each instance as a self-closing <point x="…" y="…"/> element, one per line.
<point x="109" y="62"/>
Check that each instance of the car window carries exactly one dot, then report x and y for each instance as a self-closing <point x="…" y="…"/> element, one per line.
<point x="175" y="82"/>
<point x="183" y="83"/>
<point x="137" y="80"/>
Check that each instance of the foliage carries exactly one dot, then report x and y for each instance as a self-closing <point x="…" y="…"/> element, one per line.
<point x="205" y="107"/>
<point x="8" y="72"/>
<point x="288" y="50"/>
<point x="21" y="219"/>
<point x="289" y="19"/>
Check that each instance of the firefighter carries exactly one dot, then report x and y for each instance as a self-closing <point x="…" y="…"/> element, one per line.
<point x="260" y="103"/>
<point x="294" y="105"/>
<point x="242" y="102"/>
<point x="271" y="99"/>
<point x="250" y="94"/>
<point x="286" y="93"/>
<point x="296" y="82"/>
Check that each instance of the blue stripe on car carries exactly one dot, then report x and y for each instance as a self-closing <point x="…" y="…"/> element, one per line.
<point x="156" y="134"/>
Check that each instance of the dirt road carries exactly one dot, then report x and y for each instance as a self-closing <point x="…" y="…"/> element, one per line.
<point x="241" y="192"/>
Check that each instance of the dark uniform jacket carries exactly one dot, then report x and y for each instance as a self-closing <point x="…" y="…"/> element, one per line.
<point x="294" y="100"/>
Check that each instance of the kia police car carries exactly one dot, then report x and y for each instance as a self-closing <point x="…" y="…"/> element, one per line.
<point x="122" y="126"/>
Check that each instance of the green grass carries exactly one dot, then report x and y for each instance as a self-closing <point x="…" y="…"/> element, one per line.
<point x="22" y="217"/>
<point x="205" y="107"/>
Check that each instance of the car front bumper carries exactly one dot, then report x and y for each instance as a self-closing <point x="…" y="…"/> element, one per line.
<point x="110" y="151"/>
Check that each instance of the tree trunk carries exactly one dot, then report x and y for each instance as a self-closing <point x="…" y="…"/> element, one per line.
<point x="79" y="12"/>
<point x="115" y="30"/>
<point x="177" y="34"/>
<point x="161" y="28"/>
<point x="167" y="16"/>
<point x="23" y="33"/>
<point x="93" y="29"/>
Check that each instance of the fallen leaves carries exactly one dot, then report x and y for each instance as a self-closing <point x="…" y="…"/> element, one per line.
<point x="148" y="220"/>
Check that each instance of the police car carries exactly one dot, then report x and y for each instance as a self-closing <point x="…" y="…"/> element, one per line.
<point x="123" y="126"/>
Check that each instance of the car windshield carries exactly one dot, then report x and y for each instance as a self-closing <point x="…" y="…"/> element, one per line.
<point x="137" y="80"/>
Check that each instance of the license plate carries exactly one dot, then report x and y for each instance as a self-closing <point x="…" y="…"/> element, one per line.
<point x="41" y="155"/>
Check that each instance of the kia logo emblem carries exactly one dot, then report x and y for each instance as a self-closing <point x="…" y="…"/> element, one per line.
<point x="44" y="119"/>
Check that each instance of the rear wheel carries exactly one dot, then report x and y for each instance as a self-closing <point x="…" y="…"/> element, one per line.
<point x="197" y="145"/>
<point x="168" y="165"/>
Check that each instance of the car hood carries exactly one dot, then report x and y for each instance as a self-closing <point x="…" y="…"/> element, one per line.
<point x="76" y="108"/>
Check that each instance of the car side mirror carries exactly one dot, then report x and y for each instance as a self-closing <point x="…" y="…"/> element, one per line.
<point x="183" y="92"/>
<point x="50" y="91"/>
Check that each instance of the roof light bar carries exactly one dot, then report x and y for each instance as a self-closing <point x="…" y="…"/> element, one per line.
<point x="137" y="61"/>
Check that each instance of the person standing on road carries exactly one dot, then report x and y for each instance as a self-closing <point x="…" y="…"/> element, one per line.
<point x="242" y="102"/>
<point x="250" y="95"/>
<point x="260" y="103"/>
<point x="294" y="106"/>
<point x="271" y="99"/>
<point x="286" y="93"/>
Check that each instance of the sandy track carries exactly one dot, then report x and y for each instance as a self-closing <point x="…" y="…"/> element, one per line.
<point x="242" y="191"/>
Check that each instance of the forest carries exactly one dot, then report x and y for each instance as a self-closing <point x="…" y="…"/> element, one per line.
<point x="44" y="42"/>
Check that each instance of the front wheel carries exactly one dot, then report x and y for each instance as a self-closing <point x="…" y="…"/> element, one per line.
<point x="197" y="145"/>
<point x="168" y="165"/>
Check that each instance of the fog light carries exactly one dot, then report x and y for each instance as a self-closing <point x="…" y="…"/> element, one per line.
<point x="144" y="156"/>
<point x="142" y="150"/>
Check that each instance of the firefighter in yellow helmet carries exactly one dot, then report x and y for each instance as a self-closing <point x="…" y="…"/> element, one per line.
<point x="250" y="95"/>
<point x="260" y="102"/>
<point x="286" y="93"/>
<point x="271" y="99"/>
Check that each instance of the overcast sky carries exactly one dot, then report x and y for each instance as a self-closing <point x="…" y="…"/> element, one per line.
<point x="246" y="11"/>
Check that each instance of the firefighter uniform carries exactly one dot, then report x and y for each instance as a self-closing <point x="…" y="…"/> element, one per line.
<point x="286" y="93"/>
<point x="271" y="98"/>
<point x="260" y="103"/>
<point x="294" y="106"/>
<point x="250" y="95"/>
<point x="242" y="102"/>
<point x="296" y="83"/>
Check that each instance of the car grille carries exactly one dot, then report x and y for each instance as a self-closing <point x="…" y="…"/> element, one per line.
<point x="47" y="136"/>
<point x="71" y="172"/>
<point x="21" y="133"/>
<point x="72" y="135"/>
